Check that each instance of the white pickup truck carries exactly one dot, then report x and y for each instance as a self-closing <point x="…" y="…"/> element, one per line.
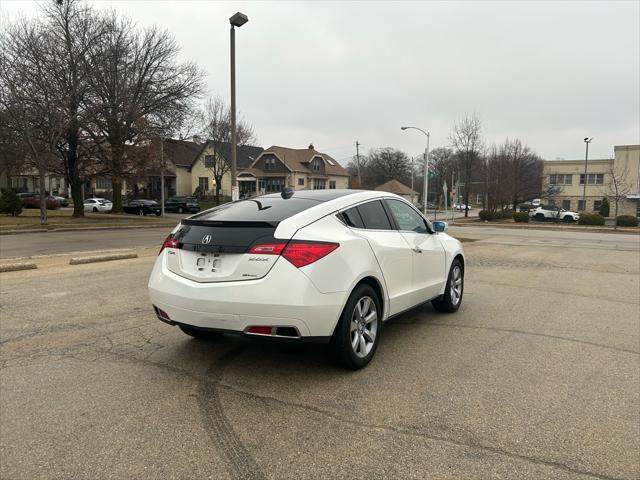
<point x="551" y="212"/>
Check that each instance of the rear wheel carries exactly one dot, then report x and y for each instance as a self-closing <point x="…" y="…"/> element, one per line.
<point x="540" y="217"/>
<point x="95" y="209"/>
<point x="180" y="210"/>
<point x="568" y="219"/>
<point x="357" y="334"/>
<point x="201" y="334"/>
<point x="452" y="298"/>
<point x="141" y="212"/>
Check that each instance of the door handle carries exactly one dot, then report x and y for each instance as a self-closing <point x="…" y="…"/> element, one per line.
<point x="417" y="249"/>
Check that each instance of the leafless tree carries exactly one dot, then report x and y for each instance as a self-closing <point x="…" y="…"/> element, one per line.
<point x="523" y="171"/>
<point x="466" y="140"/>
<point x="617" y="187"/>
<point x="73" y="28"/>
<point x="386" y="164"/>
<point x="215" y="118"/>
<point x="441" y="164"/>
<point x="30" y="106"/>
<point x="137" y="89"/>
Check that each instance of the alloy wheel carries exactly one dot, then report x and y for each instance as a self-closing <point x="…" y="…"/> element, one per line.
<point x="364" y="326"/>
<point x="456" y="285"/>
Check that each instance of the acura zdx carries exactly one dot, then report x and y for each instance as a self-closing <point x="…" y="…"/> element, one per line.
<point x="315" y="265"/>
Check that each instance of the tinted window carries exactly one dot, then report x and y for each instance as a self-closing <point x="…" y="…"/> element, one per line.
<point x="406" y="217"/>
<point x="352" y="218"/>
<point x="271" y="209"/>
<point x="374" y="216"/>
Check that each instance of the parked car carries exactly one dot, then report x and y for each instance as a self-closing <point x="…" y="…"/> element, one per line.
<point x="551" y="212"/>
<point x="32" y="200"/>
<point x="317" y="265"/>
<point x="63" y="202"/>
<point x="143" y="207"/>
<point x="461" y="207"/>
<point x="96" y="205"/>
<point x="182" y="204"/>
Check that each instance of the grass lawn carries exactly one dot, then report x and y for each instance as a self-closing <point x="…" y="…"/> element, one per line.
<point x="30" y="219"/>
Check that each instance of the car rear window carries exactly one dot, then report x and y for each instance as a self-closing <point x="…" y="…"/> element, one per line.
<point x="374" y="216"/>
<point x="262" y="209"/>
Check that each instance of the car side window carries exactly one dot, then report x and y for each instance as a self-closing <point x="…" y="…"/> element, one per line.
<point x="374" y="216"/>
<point x="406" y="217"/>
<point x="352" y="218"/>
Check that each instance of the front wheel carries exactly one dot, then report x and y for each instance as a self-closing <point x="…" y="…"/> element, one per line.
<point x="539" y="217"/>
<point x="357" y="334"/>
<point x="95" y="209"/>
<point x="180" y="210"/>
<point x="568" y="219"/>
<point x="141" y="212"/>
<point x="452" y="298"/>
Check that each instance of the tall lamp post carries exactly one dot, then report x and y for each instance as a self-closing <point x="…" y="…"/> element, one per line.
<point x="426" y="168"/>
<point x="237" y="20"/>
<point x="587" y="141"/>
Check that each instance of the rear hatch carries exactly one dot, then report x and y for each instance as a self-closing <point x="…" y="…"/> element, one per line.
<point x="214" y="245"/>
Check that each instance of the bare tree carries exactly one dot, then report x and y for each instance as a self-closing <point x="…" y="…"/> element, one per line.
<point x="467" y="142"/>
<point x="30" y="106"/>
<point x="137" y="89"/>
<point x="523" y="171"/>
<point x="386" y="164"/>
<point x="617" y="187"/>
<point x="441" y="164"/>
<point x="215" y="119"/>
<point x="74" y="28"/>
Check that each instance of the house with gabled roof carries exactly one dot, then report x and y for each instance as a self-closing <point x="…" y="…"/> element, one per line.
<point x="298" y="168"/>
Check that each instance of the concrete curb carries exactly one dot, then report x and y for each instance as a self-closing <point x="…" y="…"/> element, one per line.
<point x="81" y="229"/>
<point x="14" y="267"/>
<point x="102" y="258"/>
<point x="567" y="228"/>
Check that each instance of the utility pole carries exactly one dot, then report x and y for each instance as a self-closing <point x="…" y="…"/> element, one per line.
<point x="236" y="20"/>
<point x="358" y="163"/>
<point x="587" y="141"/>
<point x="412" y="196"/>
<point x="426" y="174"/>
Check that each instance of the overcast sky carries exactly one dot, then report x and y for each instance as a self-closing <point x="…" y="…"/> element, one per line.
<point x="331" y="73"/>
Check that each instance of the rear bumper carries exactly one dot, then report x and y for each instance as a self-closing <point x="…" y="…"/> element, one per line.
<point x="283" y="298"/>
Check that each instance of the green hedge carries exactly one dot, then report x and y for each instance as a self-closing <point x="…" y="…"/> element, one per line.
<point x="10" y="203"/>
<point x="591" y="219"/>
<point x="626" y="221"/>
<point x="487" y="215"/>
<point x="521" y="217"/>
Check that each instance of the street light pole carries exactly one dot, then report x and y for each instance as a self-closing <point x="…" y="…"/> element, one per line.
<point x="236" y="20"/>
<point x="587" y="141"/>
<point x="425" y="190"/>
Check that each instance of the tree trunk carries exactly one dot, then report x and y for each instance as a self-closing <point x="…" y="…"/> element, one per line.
<point x="615" y="218"/>
<point x="116" y="185"/>
<point x="117" y="158"/>
<point x="43" y="198"/>
<point x="218" y="185"/>
<point x="73" y="176"/>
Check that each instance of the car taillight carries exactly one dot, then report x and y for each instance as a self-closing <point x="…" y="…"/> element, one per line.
<point x="267" y="249"/>
<point x="169" y="242"/>
<point x="301" y="254"/>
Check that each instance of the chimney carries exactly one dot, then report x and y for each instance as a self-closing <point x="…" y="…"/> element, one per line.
<point x="311" y="146"/>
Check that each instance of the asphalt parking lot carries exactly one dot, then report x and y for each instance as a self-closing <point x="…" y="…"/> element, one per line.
<point x="537" y="376"/>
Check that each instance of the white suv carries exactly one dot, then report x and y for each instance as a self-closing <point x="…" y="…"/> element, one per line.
<point x="323" y="265"/>
<point x="551" y="212"/>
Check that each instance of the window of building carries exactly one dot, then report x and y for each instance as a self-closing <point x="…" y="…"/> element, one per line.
<point x="592" y="178"/>
<point x="580" y="205"/>
<point x="103" y="183"/>
<point x="315" y="165"/>
<point x="480" y="198"/>
<point x="374" y="216"/>
<point x="301" y="181"/>
<point x="332" y="184"/>
<point x="203" y="183"/>
<point x="209" y="161"/>
<point x="566" y="204"/>
<point x="273" y="185"/>
<point x="270" y="163"/>
<point x="560" y="179"/>
<point x="319" y="184"/>
<point x="596" y="205"/>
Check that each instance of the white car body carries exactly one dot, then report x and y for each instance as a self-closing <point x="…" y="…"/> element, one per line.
<point x="551" y="212"/>
<point x="97" y="205"/>
<point x="194" y="286"/>
<point x="461" y="207"/>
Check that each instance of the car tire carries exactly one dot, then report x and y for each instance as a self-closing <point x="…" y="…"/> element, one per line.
<point x="95" y="210"/>
<point x="567" y="219"/>
<point x="200" y="334"/>
<point x="158" y="214"/>
<point x="141" y="212"/>
<point x="452" y="298"/>
<point x="359" y="324"/>
<point x="180" y="210"/>
<point x="539" y="217"/>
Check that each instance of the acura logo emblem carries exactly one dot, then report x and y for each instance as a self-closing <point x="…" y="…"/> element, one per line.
<point x="206" y="239"/>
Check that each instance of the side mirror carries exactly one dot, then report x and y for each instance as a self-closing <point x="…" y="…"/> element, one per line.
<point x="440" y="226"/>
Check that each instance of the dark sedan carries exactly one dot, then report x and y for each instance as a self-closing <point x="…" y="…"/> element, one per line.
<point x="143" y="207"/>
<point x="182" y="204"/>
